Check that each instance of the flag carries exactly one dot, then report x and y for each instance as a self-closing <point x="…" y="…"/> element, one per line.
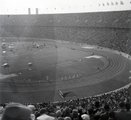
<point x="66" y="94"/>
<point x="60" y="93"/>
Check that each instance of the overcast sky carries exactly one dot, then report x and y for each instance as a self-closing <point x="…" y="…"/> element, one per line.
<point x="52" y="6"/>
<point x="41" y="3"/>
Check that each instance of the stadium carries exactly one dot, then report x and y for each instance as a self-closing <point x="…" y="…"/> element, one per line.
<point x="66" y="59"/>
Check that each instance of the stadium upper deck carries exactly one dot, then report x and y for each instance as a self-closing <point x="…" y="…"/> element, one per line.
<point x="108" y="29"/>
<point x="115" y="19"/>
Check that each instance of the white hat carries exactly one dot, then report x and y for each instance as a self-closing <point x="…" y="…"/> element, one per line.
<point x="85" y="117"/>
<point x="45" y="117"/>
<point x="32" y="107"/>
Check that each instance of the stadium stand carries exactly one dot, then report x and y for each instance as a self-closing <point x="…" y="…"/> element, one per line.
<point x="108" y="29"/>
<point x="102" y="107"/>
<point x="103" y="29"/>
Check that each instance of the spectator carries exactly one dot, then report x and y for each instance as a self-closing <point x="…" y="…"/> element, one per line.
<point x="75" y="115"/>
<point x="85" y="117"/>
<point x="32" y="108"/>
<point x="105" y="115"/>
<point x="60" y="118"/>
<point x="111" y="116"/>
<point x="91" y="113"/>
<point x="67" y="118"/>
<point x="122" y="114"/>
<point x="44" y="116"/>
<point x="16" y="111"/>
<point x="58" y="113"/>
<point x="127" y="106"/>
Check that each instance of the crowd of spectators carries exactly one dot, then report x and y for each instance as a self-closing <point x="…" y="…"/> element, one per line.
<point x="112" y="106"/>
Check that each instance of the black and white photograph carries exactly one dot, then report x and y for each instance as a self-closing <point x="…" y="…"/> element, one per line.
<point x="65" y="59"/>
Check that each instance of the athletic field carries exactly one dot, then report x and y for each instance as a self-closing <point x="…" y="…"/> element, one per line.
<point x="35" y="70"/>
